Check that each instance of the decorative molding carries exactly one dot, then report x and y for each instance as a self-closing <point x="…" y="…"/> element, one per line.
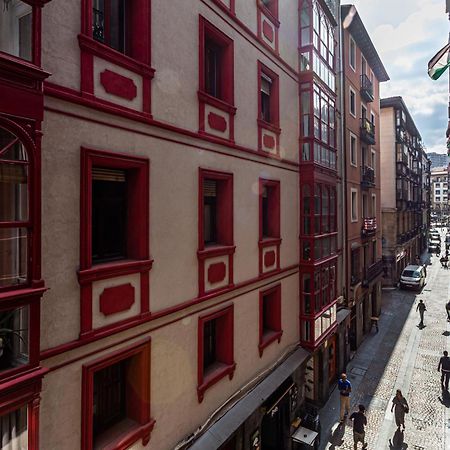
<point x="269" y="258"/>
<point x="268" y="31"/>
<point x="217" y="122"/>
<point x="216" y="272"/>
<point x="116" y="299"/>
<point x="118" y="85"/>
<point x="268" y="141"/>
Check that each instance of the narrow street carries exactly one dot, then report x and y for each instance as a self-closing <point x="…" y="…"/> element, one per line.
<point x="400" y="356"/>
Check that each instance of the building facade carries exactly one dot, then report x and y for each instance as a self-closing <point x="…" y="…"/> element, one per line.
<point x="439" y="191"/>
<point x="159" y="186"/>
<point x="402" y="191"/>
<point x="363" y="72"/>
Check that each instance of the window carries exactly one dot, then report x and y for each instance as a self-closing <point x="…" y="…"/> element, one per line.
<point x="269" y="317"/>
<point x="374" y="252"/>
<point x="354" y="205"/>
<point x="216" y="209"/>
<point x="373" y="163"/>
<point x="352" y="102"/>
<point x="363" y="65"/>
<point x="268" y="96"/>
<point x="115" y="206"/>
<point x="14" y="429"/>
<point x="16" y="23"/>
<point x="271" y="6"/>
<point x="355" y="267"/>
<point x="215" y="348"/>
<point x="353" y="149"/>
<point x="15" y="222"/>
<point x="116" y="398"/>
<point x="216" y="63"/>
<point x="269" y="209"/>
<point x="352" y="54"/>
<point x="374" y="205"/>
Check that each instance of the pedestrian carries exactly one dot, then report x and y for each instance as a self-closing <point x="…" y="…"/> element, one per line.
<point x="400" y="408"/>
<point x="421" y="308"/>
<point x="447" y="308"/>
<point x="444" y="368"/>
<point x="359" y="422"/>
<point x="345" y="388"/>
<point x="417" y="260"/>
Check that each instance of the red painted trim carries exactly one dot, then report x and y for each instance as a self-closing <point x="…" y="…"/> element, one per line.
<point x="118" y="85"/>
<point x="268" y="31"/>
<point x="73" y="97"/>
<point x="224" y="7"/>
<point x="217" y="122"/>
<point x="116" y="299"/>
<point x="273" y="25"/>
<point x="140" y="403"/>
<point x="273" y="298"/>
<point x="100" y="334"/>
<point x="217" y="272"/>
<point x="224" y="349"/>
<point x="138" y="232"/>
<point x="269" y="258"/>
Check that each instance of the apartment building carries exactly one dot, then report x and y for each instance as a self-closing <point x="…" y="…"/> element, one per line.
<point x="402" y="190"/>
<point x="363" y="72"/>
<point x="439" y="190"/>
<point x="152" y="180"/>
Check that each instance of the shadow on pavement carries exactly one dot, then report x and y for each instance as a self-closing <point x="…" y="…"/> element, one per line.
<point x="398" y="441"/>
<point x="445" y="398"/>
<point x="336" y="438"/>
<point x="446" y="333"/>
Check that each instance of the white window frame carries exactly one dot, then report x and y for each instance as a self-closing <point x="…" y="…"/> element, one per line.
<point x="354" y="162"/>
<point x="373" y="160"/>
<point x="364" y="65"/>
<point x="350" y="53"/>
<point x="354" y="211"/>
<point x="351" y="90"/>
<point x="374" y="205"/>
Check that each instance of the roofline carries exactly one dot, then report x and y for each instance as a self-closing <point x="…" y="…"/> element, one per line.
<point x="398" y="102"/>
<point x="365" y="43"/>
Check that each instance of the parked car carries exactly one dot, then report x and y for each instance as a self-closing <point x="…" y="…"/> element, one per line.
<point x="413" y="277"/>
<point x="447" y="238"/>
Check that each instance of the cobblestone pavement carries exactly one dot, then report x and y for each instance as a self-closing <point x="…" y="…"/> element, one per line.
<point x="400" y="356"/>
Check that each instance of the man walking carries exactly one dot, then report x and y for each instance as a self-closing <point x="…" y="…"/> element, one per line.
<point x="447" y="308"/>
<point x="345" y="388"/>
<point x="444" y="368"/>
<point x="421" y="308"/>
<point x="359" y="422"/>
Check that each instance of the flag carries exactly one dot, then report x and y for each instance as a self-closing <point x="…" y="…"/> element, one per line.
<point x="439" y="63"/>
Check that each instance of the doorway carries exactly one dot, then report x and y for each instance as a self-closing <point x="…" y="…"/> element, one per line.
<point x="332" y="360"/>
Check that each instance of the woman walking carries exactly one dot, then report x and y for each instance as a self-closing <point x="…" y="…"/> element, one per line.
<point x="401" y="407"/>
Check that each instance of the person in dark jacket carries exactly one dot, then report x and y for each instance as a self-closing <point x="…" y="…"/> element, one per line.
<point x="444" y="368"/>
<point x="447" y="308"/>
<point x="359" y="422"/>
<point x="421" y="308"/>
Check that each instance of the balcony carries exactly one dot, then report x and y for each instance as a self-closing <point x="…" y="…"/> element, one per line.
<point x="369" y="227"/>
<point x="367" y="131"/>
<point x="367" y="177"/>
<point x="366" y="90"/>
<point x="374" y="271"/>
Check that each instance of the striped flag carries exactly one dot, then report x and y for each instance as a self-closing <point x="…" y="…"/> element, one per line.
<point x="438" y="63"/>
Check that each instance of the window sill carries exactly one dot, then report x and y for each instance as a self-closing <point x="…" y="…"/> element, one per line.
<point x="266" y="11"/>
<point x="218" y="371"/>
<point x="215" y="250"/>
<point x="15" y="294"/>
<point x="114" y="269"/>
<point x="102" y="51"/>
<point x="14" y="64"/>
<point x="267" y="338"/>
<point x="269" y="126"/>
<point x="267" y="241"/>
<point x="110" y="440"/>
<point x="216" y="102"/>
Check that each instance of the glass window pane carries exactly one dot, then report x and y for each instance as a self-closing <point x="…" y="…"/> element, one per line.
<point x="14" y="337"/>
<point x="16" y="29"/>
<point x="15" y="429"/>
<point x="13" y="256"/>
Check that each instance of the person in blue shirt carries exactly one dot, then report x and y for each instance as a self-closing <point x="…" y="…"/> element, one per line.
<point x="345" y="388"/>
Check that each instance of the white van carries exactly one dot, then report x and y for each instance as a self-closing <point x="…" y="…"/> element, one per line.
<point x="413" y="277"/>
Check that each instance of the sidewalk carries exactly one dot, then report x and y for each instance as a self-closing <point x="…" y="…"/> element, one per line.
<point x="400" y="356"/>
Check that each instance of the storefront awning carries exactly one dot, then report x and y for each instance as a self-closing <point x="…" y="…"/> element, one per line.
<point x="305" y="436"/>
<point x="222" y="429"/>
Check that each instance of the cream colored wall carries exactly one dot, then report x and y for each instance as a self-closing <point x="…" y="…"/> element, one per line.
<point x="388" y="158"/>
<point x="175" y="55"/>
<point x="174" y="402"/>
<point x="173" y="216"/>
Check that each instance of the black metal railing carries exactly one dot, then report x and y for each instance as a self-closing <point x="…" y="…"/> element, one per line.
<point x="366" y="89"/>
<point x="369" y="227"/>
<point x="367" y="131"/>
<point x="374" y="271"/>
<point x="367" y="176"/>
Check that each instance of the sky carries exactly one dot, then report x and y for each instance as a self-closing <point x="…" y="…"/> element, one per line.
<point x="406" y="35"/>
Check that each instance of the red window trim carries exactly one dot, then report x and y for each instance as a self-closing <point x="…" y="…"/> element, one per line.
<point x="25" y="391"/>
<point x="228" y="367"/>
<point x="224" y="7"/>
<point x="269" y="13"/>
<point x="228" y="220"/>
<point x="226" y="103"/>
<point x="140" y="247"/>
<point x="275" y="216"/>
<point x="146" y="423"/>
<point x="275" y="311"/>
<point x="139" y="64"/>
